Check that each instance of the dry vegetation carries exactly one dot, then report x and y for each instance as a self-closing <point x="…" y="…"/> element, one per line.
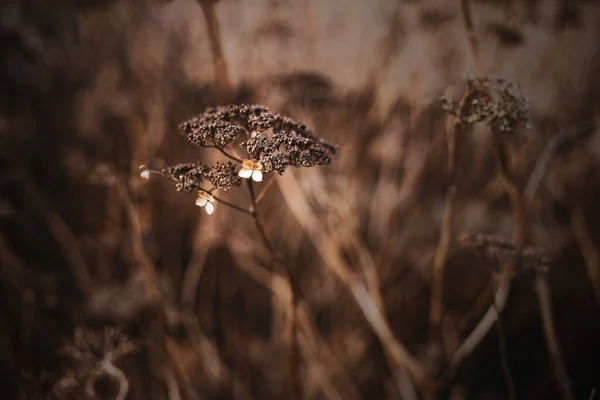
<point x="442" y="249"/>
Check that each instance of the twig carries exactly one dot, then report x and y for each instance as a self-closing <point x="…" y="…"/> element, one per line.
<point x="542" y="288"/>
<point x="502" y="350"/>
<point x="234" y="206"/>
<point x="219" y="63"/>
<point x="441" y="252"/>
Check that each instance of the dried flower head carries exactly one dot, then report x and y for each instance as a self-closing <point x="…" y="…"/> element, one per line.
<point x="189" y="176"/>
<point x="273" y="140"/>
<point x="288" y="148"/>
<point x="496" y="101"/>
<point x="219" y="126"/>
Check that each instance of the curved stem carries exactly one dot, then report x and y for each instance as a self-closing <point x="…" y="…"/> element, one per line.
<point x="542" y="288"/>
<point x="504" y="354"/>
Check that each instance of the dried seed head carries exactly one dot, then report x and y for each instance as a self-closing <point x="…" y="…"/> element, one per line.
<point x="289" y="148"/>
<point x="189" y="176"/>
<point x="219" y="126"/>
<point x="497" y="101"/>
<point x="274" y="140"/>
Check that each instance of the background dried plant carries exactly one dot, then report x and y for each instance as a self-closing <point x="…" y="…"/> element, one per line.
<point x="91" y="91"/>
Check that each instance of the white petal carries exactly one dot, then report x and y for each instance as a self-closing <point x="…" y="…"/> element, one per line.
<point x="211" y="198"/>
<point x="245" y="173"/>
<point x="145" y="174"/>
<point x="257" y="176"/>
<point x="209" y="208"/>
<point x="200" y="202"/>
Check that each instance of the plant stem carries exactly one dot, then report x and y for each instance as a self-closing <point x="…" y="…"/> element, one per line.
<point x="504" y="355"/>
<point x="234" y="206"/>
<point x="216" y="48"/>
<point x="292" y="340"/>
<point x="542" y="289"/>
<point x="441" y="252"/>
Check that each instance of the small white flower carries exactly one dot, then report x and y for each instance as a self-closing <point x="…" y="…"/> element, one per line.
<point x="205" y="200"/>
<point x="251" y="169"/>
<point x="145" y="172"/>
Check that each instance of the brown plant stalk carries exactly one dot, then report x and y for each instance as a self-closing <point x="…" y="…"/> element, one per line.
<point x="441" y="252"/>
<point x="542" y="289"/>
<point x="294" y="359"/>
<point x="216" y="48"/>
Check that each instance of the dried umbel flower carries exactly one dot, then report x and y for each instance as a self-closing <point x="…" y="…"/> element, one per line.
<point x="272" y="142"/>
<point x="219" y="126"/>
<point x="288" y="148"/>
<point x="496" y="101"/>
<point x="189" y="176"/>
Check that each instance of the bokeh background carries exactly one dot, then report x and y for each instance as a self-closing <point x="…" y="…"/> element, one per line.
<point x="91" y="90"/>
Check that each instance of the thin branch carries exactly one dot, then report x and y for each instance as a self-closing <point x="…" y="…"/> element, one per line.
<point x="293" y="349"/>
<point x="234" y="206"/>
<point x="216" y="48"/>
<point x="542" y="288"/>
<point x="441" y="252"/>
<point x="502" y="350"/>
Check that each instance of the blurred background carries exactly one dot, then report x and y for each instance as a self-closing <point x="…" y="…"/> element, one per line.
<point x="89" y="91"/>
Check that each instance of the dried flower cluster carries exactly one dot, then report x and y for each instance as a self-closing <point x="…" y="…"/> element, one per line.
<point x="272" y="143"/>
<point x="273" y="140"/>
<point x="189" y="176"/>
<point x="496" y="101"/>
